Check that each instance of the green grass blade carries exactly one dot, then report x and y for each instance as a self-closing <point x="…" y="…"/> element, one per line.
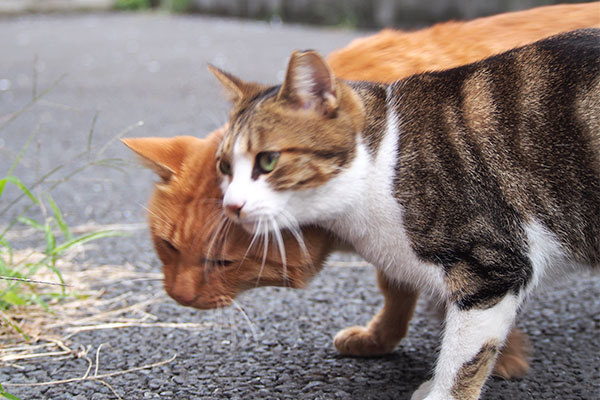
<point x="60" y="220"/>
<point x="20" y="155"/>
<point x="91" y="133"/>
<point x="4" y="270"/>
<point x="57" y="272"/>
<point x="7" y="395"/>
<point x="7" y="248"/>
<point x="17" y="182"/>
<point x="19" y="330"/>
<point x="31" y="222"/>
<point x="84" y="239"/>
<point x="12" y="297"/>
<point x="16" y="200"/>
<point x="39" y="301"/>
<point x="50" y="238"/>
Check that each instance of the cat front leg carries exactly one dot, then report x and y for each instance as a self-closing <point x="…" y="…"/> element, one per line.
<point x="470" y="345"/>
<point x="386" y="328"/>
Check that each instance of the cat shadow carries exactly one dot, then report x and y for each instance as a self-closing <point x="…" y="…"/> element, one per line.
<point x="394" y="376"/>
<point x="323" y="373"/>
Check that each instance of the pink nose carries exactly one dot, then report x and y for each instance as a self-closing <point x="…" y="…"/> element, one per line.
<point x="234" y="210"/>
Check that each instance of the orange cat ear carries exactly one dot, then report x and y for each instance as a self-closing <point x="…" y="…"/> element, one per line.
<point x="309" y="82"/>
<point x="163" y="155"/>
<point x="236" y="88"/>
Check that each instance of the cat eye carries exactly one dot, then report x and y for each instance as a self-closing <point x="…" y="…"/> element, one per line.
<point x="217" y="262"/>
<point x="168" y="245"/>
<point x="266" y="161"/>
<point x="225" y="167"/>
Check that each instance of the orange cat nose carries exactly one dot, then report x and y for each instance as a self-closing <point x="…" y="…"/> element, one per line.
<point x="235" y="210"/>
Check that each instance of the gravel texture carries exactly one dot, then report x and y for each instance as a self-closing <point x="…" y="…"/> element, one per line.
<point x="152" y="68"/>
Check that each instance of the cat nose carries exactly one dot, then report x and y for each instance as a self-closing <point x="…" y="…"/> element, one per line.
<point x="184" y="300"/>
<point x="235" y="210"/>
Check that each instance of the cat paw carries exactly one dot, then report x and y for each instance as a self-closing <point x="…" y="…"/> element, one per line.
<point x="423" y="391"/>
<point x="513" y="359"/>
<point x="359" y="341"/>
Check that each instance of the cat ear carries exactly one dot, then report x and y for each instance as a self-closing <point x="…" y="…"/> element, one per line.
<point x="163" y="155"/>
<point x="309" y="82"/>
<point x="236" y="88"/>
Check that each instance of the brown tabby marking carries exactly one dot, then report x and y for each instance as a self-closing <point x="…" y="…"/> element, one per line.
<point x="510" y="170"/>
<point x="375" y="119"/>
<point x="471" y="376"/>
<point x="478" y="102"/>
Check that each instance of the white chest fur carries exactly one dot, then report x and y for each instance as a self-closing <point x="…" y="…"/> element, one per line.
<point x="373" y="223"/>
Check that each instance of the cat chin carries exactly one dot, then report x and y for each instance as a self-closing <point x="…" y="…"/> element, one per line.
<point x="211" y="305"/>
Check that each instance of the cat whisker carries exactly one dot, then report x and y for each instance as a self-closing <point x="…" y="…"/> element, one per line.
<point x="262" y="226"/>
<point x="232" y="322"/>
<point x="228" y="322"/>
<point x="159" y="217"/>
<point x="281" y="246"/>
<point x="222" y="238"/>
<point x="214" y="218"/>
<point x="228" y="227"/>
<point x="224" y="317"/>
<point x="215" y="237"/>
<point x="252" y="241"/>
<point x="265" y="244"/>
<point x="219" y="315"/>
<point x="296" y="232"/>
<point x="250" y="324"/>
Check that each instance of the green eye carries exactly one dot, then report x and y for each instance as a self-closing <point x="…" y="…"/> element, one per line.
<point x="267" y="161"/>
<point x="224" y="167"/>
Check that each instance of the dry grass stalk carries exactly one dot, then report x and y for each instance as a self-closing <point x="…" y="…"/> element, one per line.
<point x="46" y="333"/>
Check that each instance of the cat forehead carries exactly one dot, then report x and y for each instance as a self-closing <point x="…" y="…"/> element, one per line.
<point x="238" y="140"/>
<point x="250" y="122"/>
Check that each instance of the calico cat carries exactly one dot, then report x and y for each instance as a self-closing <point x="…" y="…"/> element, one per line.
<point x="472" y="183"/>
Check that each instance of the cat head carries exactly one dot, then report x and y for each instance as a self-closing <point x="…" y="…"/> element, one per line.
<point x="295" y="137"/>
<point x="207" y="260"/>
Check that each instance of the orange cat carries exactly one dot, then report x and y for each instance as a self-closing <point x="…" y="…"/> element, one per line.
<point x="207" y="261"/>
<point x="390" y="54"/>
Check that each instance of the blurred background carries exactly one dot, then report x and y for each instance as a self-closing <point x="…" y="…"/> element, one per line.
<point x="351" y="13"/>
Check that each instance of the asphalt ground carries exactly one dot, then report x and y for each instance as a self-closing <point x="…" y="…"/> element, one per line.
<point x="122" y="69"/>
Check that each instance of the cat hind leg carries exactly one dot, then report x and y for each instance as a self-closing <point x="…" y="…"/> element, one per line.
<point x="470" y="345"/>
